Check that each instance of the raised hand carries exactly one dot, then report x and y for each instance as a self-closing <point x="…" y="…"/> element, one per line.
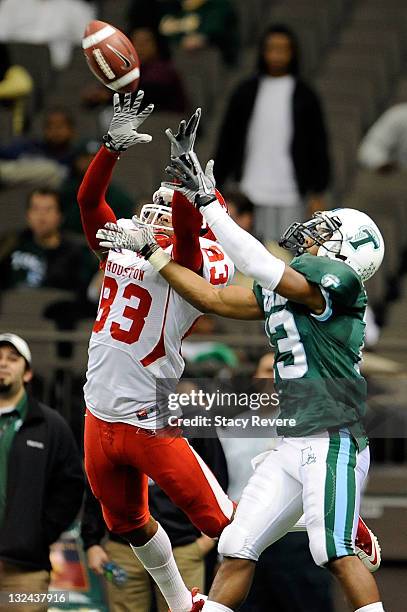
<point x="182" y="143"/>
<point x="195" y="184"/>
<point x="126" y="120"/>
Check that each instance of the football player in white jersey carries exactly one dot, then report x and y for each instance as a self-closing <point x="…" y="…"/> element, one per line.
<point x="136" y="340"/>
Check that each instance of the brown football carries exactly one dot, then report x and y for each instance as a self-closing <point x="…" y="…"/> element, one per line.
<point x="111" y="57"/>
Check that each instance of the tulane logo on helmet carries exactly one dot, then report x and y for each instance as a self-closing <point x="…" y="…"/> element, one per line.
<point x="356" y="241"/>
<point x="366" y="235"/>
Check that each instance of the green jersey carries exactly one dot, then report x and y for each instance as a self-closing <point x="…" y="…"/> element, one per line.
<point x="316" y="356"/>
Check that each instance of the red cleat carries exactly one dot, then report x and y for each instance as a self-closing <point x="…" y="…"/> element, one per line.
<point x="367" y="547"/>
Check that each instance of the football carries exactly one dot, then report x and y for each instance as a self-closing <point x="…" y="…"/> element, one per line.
<point x="111" y="57"/>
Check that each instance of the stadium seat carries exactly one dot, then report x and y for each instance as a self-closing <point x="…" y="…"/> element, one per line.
<point x="13" y="204"/>
<point x="69" y="82"/>
<point x="203" y="72"/>
<point x="14" y="303"/>
<point x="6" y="125"/>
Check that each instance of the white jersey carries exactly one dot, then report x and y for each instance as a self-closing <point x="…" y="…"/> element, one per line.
<point x="137" y="335"/>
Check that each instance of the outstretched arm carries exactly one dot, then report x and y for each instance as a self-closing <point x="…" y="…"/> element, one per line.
<point x="232" y="302"/>
<point x="186" y="221"/>
<point x="122" y="134"/>
<point x="187" y="224"/>
<point x="95" y="211"/>
<point x="247" y="253"/>
<point x="254" y="260"/>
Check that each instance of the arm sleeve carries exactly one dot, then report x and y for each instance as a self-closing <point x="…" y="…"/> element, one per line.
<point x="187" y="222"/>
<point x="247" y="253"/>
<point x="95" y="211"/>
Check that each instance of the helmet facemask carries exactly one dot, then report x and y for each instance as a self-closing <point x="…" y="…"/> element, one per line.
<point x="323" y="230"/>
<point x="153" y="214"/>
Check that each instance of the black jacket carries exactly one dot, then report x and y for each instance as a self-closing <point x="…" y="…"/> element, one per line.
<point x="44" y="488"/>
<point x="309" y="149"/>
<point x="177" y="525"/>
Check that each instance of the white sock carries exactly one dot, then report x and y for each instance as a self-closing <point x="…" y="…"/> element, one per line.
<point x="158" y="559"/>
<point x="212" y="606"/>
<point x="374" y="607"/>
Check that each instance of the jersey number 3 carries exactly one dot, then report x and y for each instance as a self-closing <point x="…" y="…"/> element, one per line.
<point x="137" y="316"/>
<point x="282" y="324"/>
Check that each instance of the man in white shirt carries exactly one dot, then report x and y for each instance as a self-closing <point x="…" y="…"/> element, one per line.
<point x="384" y="147"/>
<point x="279" y="153"/>
<point x="58" y="23"/>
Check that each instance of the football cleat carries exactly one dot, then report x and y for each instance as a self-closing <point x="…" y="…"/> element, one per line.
<point x="367" y="547"/>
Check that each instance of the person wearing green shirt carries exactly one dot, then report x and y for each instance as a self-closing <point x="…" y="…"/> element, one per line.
<point x="41" y="477"/>
<point x="313" y="311"/>
<point x="15" y="372"/>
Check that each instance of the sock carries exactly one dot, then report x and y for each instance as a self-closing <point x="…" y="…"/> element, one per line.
<point x="158" y="559"/>
<point x="374" y="607"/>
<point x="299" y="525"/>
<point x="212" y="606"/>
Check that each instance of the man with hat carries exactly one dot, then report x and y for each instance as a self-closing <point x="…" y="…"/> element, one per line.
<point x="41" y="478"/>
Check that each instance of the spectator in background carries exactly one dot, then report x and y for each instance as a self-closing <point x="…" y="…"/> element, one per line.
<point x="286" y="574"/>
<point x="15" y="86"/>
<point x="384" y="148"/>
<point x="120" y="199"/>
<point x="189" y="545"/>
<point x="273" y="139"/>
<point x="191" y="24"/>
<point x="40" y="162"/>
<point x="240" y="208"/>
<point x="58" y="23"/>
<point x="41" y="255"/>
<point x="41" y="478"/>
<point x="159" y="78"/>
<point x="57" y="142"/>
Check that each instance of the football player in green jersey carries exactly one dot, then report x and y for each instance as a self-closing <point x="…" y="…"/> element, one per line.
<point x="314" y="311"/>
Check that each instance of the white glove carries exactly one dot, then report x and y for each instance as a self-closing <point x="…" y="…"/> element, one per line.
<point x="139" y="241"/>
<point x="182" y="143"/>
<point x="195" y="184"/>
<point x="122" y="132"/>
<point x="114" y="237"/>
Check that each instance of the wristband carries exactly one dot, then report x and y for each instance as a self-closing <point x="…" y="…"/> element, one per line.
<point x="109" y="144"/>
<point x="159" y="259"/>
<point x="203" y="200"/>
